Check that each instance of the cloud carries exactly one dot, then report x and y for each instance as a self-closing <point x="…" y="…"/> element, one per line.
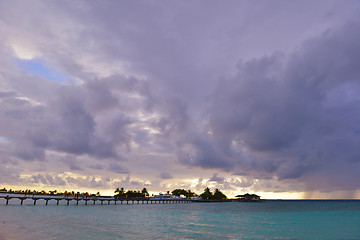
<point x="47" y="180"/>
<point x="294" y="116"/>
<point x="216" y="178"/>
<point x="149" y="87"/>
<point x="115" y="167"/>
<point x="65" y="123"/>
<point x="165" y="175"/>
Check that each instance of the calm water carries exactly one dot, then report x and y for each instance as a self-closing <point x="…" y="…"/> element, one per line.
<point x="265" y="220"/>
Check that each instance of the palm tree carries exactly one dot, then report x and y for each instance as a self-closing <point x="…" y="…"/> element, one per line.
<point x="206" y="194"/>
<point x="120" y="191"/>
<point x="145" y="192"/>
<point x="219" y="195"/>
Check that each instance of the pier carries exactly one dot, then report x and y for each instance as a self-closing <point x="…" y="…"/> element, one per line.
<point x="18" y="198"/>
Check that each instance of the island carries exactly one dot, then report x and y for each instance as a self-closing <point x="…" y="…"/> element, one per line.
<point x="129" y="196"/>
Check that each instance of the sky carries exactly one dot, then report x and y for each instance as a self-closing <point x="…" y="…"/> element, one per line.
<point x="260" y="97"/>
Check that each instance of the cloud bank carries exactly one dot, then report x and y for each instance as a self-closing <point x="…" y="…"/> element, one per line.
<point x="181" y="94"/>
<point x="293" y="116"/>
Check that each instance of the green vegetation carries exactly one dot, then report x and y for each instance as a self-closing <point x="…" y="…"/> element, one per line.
<point x="186" y="193"/>
<point x="122" y="193"/>
<point x="131" y="193"/>
<point x="217" y="195"/>
<point x="51" y="192"/>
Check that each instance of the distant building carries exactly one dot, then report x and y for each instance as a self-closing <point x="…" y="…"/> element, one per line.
<point x="162" y="196"/>
<point x="248" y="197"/>
<point x="196" y="198"/>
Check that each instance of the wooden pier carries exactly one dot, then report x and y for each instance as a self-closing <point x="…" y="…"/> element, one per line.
<point x="91" y="200"/>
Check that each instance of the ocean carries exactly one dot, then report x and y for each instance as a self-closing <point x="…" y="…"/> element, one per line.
<point x="298" y="219"/>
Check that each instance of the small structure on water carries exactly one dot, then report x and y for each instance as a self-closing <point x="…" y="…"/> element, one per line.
<point x="162" y="196"/>
<point x="248" y="198"/>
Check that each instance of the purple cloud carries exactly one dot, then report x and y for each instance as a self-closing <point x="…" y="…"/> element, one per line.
<point x="249" y="91"/>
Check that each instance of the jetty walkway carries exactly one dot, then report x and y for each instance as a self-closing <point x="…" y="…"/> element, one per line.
<point x="91" y="199"/>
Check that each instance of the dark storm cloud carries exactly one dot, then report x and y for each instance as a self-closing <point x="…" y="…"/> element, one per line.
<point x="199" y="150"/>
<point x="77" y="125"/>
<point x="100" y="96"/>
<point x="66" y="123"/>
<point x="296" y="114"/>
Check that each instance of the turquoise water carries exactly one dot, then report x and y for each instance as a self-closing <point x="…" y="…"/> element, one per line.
<point x="265" y="220"/>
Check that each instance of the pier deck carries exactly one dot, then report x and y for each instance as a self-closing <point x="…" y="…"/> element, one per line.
<point x="92" y="200"/>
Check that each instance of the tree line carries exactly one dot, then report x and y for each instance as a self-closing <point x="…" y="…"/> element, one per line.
<point x="122" y="193"/>
<point x="50" y="192"/>
<point x="207" y="194"/>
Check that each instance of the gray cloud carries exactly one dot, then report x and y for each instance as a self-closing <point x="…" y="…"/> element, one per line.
<point x="216" y="178"/>
<point x="115" y="167"/>
<point x="47" y="180"/>
<point x="298" y="115"/>
<point x="144" y="85"/>
<point x="165" y="175"/>
<point x="65" y="123"/>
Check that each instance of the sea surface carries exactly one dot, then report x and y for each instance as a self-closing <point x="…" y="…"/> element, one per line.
<point x="300" y="219"/>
